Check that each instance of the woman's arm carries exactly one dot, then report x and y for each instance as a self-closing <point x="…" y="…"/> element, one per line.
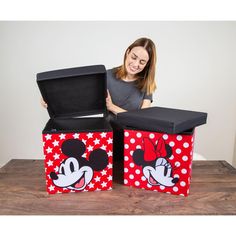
<point x="112" y="107"/>
<point x="146" y="103"/>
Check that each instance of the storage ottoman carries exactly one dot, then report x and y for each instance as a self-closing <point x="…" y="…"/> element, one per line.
<point x="158" y="148"/>
<point x="77" y="148"/>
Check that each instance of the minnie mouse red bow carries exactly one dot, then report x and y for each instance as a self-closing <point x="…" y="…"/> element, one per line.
<point x="151" y="152"/>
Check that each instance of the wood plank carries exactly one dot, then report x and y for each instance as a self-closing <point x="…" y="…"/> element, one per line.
<point x="23" y="165"/>
<point x="23" y="192"/>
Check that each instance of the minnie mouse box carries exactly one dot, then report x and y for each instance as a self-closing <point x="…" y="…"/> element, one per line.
<point x="78" y="150"/>
<point x="158" y="148"/>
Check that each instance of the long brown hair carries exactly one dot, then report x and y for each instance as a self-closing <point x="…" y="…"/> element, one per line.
<point x="146" y="78"/>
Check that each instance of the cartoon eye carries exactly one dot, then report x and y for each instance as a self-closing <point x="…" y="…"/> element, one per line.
<point x="62" y="170"/>
<point x="71" y="165"/>
<point x="72" y="168"/>
<point x="165" y="171"/>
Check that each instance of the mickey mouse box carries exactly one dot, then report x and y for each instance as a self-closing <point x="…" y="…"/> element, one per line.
<point x="77" y="148"/>
<point x="158" y="148"/>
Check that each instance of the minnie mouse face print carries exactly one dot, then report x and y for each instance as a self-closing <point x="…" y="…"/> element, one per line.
<point x="156" y="168"/>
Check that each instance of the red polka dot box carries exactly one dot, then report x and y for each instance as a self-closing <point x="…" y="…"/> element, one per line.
<point x="158" y="148"/>
<point x="78" y="150"/>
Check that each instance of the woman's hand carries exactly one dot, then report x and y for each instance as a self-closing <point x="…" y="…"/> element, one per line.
<point x="109" y="102"/>
<point x="43" y="103"/>
<point x="112" y="107"/>
<point x="146" y="103"/>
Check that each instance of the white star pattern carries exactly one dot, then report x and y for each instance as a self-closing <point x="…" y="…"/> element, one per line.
<point x="89" y="135"/>
<point x="109" y="178"/>
<point x="62" y="136"/>
<point x="90" y="148"/>
<point x="101" y="180"/>
<point x="76" y="136"/>
<point x="97" y="179"/>
<point x="56" y="156"/>
<point x="103" y="135"/>
<point x="49" y="150"/>
<point x="104" y="184"/>
<point x="51" y="188"/>
<point x="109" y="141"/>
<point x="50" y="163"/>
<point x="91" y="185"/>
<point x="104" y="172"/>
<point x="96" y="141"/>
<point x="48" y="136"/>
<point x="55" y="143"/>
<point x="104" y="147"/>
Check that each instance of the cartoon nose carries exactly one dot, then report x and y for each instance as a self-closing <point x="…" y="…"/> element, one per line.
<point x="53" y="175"/>
<point x="175" y="180"/>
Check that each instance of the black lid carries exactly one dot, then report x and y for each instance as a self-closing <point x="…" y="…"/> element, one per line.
<point x="162" y="119"/>
<point x="74" y="91"/>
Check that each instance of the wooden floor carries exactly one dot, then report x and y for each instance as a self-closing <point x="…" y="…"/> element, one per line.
<point x="22" y="192"/>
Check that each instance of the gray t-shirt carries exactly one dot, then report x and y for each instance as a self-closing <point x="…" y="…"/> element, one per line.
<point x="125" y="94"/>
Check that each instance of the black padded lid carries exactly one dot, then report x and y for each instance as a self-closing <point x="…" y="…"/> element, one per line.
<point x="162" y="119"/>
<point x="75" y="91"/>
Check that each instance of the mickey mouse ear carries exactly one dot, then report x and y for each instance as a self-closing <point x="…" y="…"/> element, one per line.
<point x="73" y="148"/>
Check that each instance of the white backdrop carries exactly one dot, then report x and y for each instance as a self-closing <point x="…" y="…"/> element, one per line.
<point x="195" y="71"/>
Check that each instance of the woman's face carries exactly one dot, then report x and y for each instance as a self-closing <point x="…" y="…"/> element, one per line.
<point x="136" y="60"/>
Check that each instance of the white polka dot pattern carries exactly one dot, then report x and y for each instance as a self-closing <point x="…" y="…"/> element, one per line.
<point x="180" y="160"/>
<point x="131" y="165"/>
<point x="172" y="144"/>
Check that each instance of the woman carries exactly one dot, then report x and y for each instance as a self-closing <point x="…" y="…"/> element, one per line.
<point x="131" y="85"/>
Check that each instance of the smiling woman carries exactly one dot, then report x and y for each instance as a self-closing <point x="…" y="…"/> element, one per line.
<point x="131" y="85"/>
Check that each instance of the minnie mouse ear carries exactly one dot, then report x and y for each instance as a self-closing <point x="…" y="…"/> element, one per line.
<point x="73" y="148"/>
<point x="138" y="157"/>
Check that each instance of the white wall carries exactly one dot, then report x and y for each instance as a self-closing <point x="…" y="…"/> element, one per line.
<point x="195" y="71"/>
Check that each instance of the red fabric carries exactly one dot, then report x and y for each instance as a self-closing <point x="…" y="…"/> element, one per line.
<point x="102" y="180"/>
<point x="181" y="159"/>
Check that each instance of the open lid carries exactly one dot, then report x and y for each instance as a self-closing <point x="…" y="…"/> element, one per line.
<point x="162" y="119"/>
<point x="74" y="92"/>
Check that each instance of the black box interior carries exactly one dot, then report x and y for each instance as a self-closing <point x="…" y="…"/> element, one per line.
<point x="74" y="92"/>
